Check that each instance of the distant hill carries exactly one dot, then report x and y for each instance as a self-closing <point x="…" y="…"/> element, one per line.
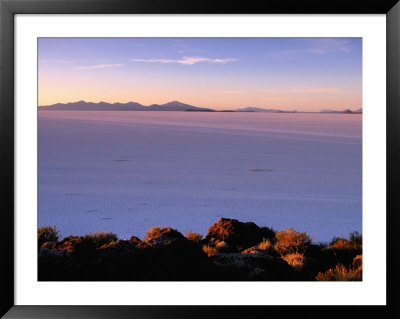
<point x="329" y="111"/>
<point x="170" y="106"/>
<point x="175" y="106"/>
<point x="130" y="106"/>
<point x="348" y="111"/>
<point x="257" y="109"/>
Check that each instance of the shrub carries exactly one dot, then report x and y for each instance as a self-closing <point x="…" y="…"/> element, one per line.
<point x="194" y="236"/>
<point x="210" y="251"/>
<point x="47" y="233"/>
<point x="100" y="238"/>
<point x="340" y="273"/>
<point x="154" y="232"/>
<point x="356" y="239"/>
<point x="357" y="262"/>
<point x="265" y="245"/>
<point x="343" y="273"/>
<point x="346" y="249"/>
<point x="295" y="260"/>
<point x="354" y="243"/>
<point x="289" y="241"/>
<point x="340" y="244"/>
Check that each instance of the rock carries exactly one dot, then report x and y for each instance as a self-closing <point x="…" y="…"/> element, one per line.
<point x="236" y="234"/>
<point x="158" y="232"/>
<point x="117" y="260"/>
<point x="168" y="255"/>
<point x="134" y="239"/>
<point x="164" y="254"/>
<point x="254" y="250"/>
<point x="161" y="236"/>
<point x="223" y="247"/>
<point x="68" y="243"/>
<point x="119" y="246"/>
<point x="48" y="245"/>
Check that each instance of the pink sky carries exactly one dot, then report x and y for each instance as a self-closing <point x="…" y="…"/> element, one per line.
<point x="304" y="74"/>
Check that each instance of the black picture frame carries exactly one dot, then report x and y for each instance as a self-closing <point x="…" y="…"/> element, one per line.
<point x="8" y="8"/>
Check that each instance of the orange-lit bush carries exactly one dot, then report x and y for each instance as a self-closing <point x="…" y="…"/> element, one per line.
<point x="295" y="260"/>
<point x="210" y="251"/>
<point x="289" y="241"/>
<point x="340" y="273"/>
<point x="355" y="242"/>
<point x="100" y="238"/>
<point x="346" y="249"/>
<point x="194" y="236"/>
<point x="343" y="273"/>
<point x="357" y="262"/>
<point x="47" y="233"/>
<point x="265" y="245"/>
<point x="154" y="232"/>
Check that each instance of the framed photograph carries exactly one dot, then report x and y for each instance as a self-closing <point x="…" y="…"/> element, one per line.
<point x="166" y="158"/>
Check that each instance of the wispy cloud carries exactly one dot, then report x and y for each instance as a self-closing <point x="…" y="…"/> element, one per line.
<point x="98" y="66"/>
<point x="187" y="60"/>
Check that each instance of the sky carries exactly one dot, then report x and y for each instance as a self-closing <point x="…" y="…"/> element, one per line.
<point x="303" y="74"/>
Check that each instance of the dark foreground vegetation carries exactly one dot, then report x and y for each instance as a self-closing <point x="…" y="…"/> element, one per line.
<point x="231" y="250"/>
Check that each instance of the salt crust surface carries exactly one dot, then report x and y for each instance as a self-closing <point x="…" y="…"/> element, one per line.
<point x="126" y="172"/>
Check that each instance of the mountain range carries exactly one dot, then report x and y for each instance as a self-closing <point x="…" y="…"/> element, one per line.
<point x="359" y="111"/>
<point x="170" y="106"/>
<point x="130" y="106"/>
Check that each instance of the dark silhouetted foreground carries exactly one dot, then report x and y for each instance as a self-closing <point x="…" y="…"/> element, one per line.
<point x="231" y="251"/>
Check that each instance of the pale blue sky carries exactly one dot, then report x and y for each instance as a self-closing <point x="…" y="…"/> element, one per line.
<point x="223" y="73"/>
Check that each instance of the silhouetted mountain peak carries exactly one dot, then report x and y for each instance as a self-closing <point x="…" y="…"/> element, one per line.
<point x="130" y="106"/>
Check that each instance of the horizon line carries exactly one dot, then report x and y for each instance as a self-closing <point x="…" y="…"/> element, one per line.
<point x="286" y="109"/>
